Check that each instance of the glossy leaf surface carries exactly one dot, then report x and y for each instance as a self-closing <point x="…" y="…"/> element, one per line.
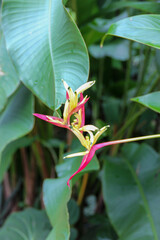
<point x="56" y="195"/>
<point x="9" y="80"/>
<point x="28" y="224"/>
<point x="151" y="101"/>
<point x="132" y="193"/>
<point x="46" y="46"/>
<point x="16" y="120"/>
<point x="142" y="28"/>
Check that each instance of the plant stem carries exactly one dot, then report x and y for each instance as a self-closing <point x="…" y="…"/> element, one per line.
<point x="127" y="140"/>
<point x="99" y="90"/>
<point x="39" y="155"/>
<point x="128" y="73"/>
<point x="83" y="188"/>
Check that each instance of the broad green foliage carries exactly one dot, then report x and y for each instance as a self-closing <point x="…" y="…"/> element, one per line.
<point x="151" y="101"/>
<point x="143" y="29"/>
<point x="9" y="80"/>
<point x="56" y="194"/>
<point x="45" y="46"/>
<point x="40" y="45"/>
<point x="8" y="152"/>
<point x="16" y="120"/>
<point x="131" y="192"/>
<point x="28" y="224"/>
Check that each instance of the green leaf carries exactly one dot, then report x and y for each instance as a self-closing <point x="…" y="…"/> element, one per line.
<point x="28" y="224"/>
<point x="74" y="211"/>
<point x="141" y="28"/>
<point x="3" y="98"/>
<point x="157" y="60"/>
<point x="16" y="120"/>
<point x="56" y="195"/>
<point x="118" y="50"/>
<point x="46" y="46"/>
<point x="83" y="15"/>
<point x="151" y="100"/>
<point x="149" y="7"/>
<point x="74" y="234"/>
<point x="8" y="152"/>
<point x="131" y="192"/>
<point x="111" y="105"/>
<point x="9" y="79"/>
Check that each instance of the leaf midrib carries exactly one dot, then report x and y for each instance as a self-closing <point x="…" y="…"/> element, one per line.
<point x="146" y="205"/>
<point x="51" y="49"/>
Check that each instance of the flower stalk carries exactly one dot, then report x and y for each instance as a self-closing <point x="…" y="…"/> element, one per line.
<point x="75" y="106"/>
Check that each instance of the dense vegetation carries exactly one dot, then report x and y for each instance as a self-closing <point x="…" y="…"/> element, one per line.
<point x="115" y="43"/>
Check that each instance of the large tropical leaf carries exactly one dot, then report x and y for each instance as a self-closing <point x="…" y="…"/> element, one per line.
<point x="131" y="189"/>
<point x="9" y="80"/>
<point x="142" y="28"/>
<point x="45" y="46"/>
<point x="26" y="225"/>
<point x="56" y="195"/>
<point x="16" y="119"/>
<point x="151" y="100"/>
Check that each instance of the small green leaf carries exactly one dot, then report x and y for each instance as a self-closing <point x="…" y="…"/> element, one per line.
<point x="131" y="192"/>
<point x="144" y="29"/>
<point x="16" y="119"/>
<point x="151" y="101"/>
<point x="46" y="46"/>
<point x="28" y="224"/>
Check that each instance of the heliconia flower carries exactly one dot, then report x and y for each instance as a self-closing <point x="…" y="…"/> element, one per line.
<point x="71" y="107"/>
<point x="89" y="143"/>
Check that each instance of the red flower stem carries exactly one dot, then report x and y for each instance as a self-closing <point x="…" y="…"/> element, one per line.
<point x="100" y="145"/>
